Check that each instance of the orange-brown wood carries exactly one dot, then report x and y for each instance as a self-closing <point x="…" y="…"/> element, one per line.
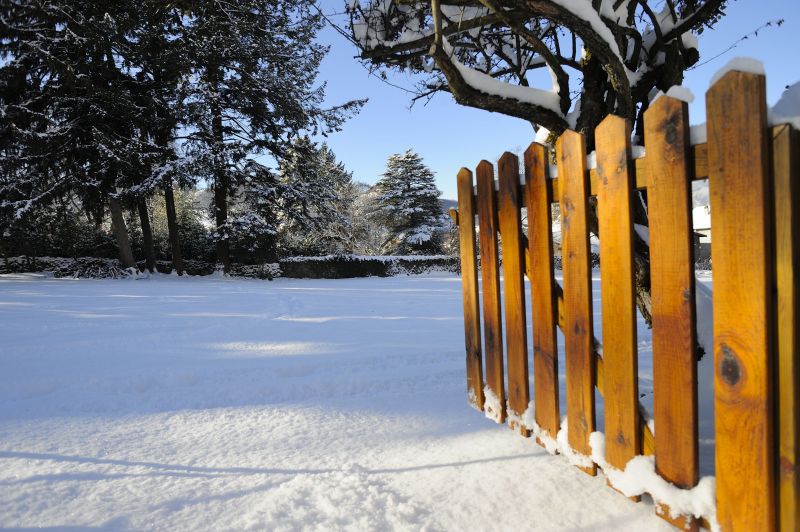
<point x="490" y="275"/>
<point x="578" y="335"/>
<point x="698" y="170"/>
<point x="514" y="293"/>
<point x="672" y="285"/>
<point x="543" y="299"/>
<point x="615" y="190"/>
<point x="743" y="277"/>
<point x="786" y="172"/>
<point x="469" y="289"/>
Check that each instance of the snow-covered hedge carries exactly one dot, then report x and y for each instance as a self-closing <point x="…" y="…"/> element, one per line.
<point x="334" y="267"/>
<point x="90" y="267"/>
<point x="326" y="267"/>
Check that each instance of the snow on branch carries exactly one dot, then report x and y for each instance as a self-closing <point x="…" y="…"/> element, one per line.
<point x="606" y="56"/>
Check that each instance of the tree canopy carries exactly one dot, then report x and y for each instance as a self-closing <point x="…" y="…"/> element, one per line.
<point x="602" y="56"/>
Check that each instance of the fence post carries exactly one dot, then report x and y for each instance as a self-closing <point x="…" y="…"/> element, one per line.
<point x="578" y="331"/>
<point x="740" y="192"/>
<point x="495" y="403"/>
<point x="469" y="288"/>
<point x="666" y="126"/>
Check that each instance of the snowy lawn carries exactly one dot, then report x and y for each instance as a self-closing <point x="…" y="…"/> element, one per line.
<point x="201" y="403"/>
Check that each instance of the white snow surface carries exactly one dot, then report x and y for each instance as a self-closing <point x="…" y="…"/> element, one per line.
<point x="216" y="403"/>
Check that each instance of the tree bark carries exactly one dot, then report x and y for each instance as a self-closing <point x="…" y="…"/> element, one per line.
<point x="147" y="235"/>
<point x="172" y="225"/>
<point x="220" y="174"/>
<point x="120" y="231"/>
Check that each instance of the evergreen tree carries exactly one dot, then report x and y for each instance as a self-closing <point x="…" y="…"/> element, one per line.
<point x="250" y="90"/>
<point x="408" y="202"/>
<point x="322" y="222"/>
<point x="304" y="208"/>
<point x="73" y="108"/>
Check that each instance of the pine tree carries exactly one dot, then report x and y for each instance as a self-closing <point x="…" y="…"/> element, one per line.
<point x="250" y="91"/>
<point x="73" y="108"/>
<point x="408" y="202"/>
<point x="335" y="234"/>
<point x="304" y="208"/>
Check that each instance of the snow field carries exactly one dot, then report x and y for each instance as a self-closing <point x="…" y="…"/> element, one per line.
<point x="188" y="403"/>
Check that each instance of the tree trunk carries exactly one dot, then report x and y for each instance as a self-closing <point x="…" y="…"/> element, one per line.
<point x="221" y="185"/>
<point x="221" y="217"/>
<point x="121" y="234"/>
<point x="172" y="225"/>
<point x="147" y="235"/>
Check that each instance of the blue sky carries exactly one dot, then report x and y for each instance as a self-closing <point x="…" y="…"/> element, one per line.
<point x="449" y="136"/>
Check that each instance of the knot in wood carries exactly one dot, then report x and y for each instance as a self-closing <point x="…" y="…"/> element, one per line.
<point x="729" y="369"/>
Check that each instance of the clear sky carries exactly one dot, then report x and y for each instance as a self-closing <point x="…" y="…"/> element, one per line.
<point x="449" y="136"/>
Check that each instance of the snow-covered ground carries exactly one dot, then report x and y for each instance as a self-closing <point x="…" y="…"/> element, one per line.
<point x="189" y="403"/>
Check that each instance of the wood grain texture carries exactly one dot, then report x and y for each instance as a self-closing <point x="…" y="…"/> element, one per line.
<point x="514" y="289"/>
<point x="786" y="172"/>
<point x="543" y="300"/>
<point x="578" y="333"/>
<point x="672" y="281"/>
<point x="698" y="170"/>
<point x="648" y="441"/>
<point x="469" y="289"/>
<point x="743" y="278"/>
<point x="490" y="275"/>
<point x="615" y="190"/>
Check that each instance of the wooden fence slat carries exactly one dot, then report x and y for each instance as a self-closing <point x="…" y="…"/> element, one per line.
<point x="740" y="196"/>
<point x="543" y="299"/>
<point x="698" y="171"/>
<point x="786" y="171"/>
<point x="672" y="285"/>
<point x="615" y="190"/>
<point x="514" y="293"/>
<point x="490" y="274"/>
<point x="469" y="289"/>
<point x="578" y="333"/>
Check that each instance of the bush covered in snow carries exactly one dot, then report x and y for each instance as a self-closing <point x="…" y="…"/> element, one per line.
<point x="335" y="267"/>
<point x="326" y="267"/>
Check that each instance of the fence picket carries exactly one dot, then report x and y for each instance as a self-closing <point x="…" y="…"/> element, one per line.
<point x="578" y="333"/>
<point x="495" y="407"/>
<point x="752" y="171"/>
<point x="615" y="189"/>
<point x="469" y="288"/>
<point x="543" y="299"/>
<point x="786" y="168"/>
<point x="514" y="294"/>
<point x="743" y="359"/>
<point x="672" y="285"/>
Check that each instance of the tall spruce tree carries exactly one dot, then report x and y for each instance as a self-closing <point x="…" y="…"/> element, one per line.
<point x="303" y="208"/>
<point x="73" y="109"/>
<point x="408" y="202"/>
<point x="249" y="91"/>
<point x="318" y="212"/>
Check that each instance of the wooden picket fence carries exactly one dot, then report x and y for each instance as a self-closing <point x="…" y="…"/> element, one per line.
<point x="754" y="179"/>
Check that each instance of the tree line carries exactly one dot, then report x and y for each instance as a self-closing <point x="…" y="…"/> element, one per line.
<point x="114" y="114"/>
